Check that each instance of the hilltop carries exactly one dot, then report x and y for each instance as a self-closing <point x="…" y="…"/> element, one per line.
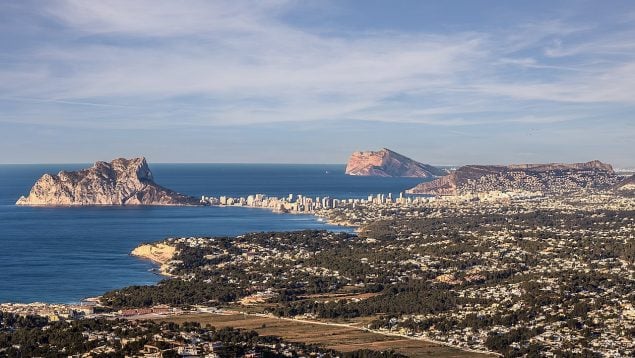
<point x="386" y="163"/>
<point x="119" y="182"/>
<point x="551" y="177"/>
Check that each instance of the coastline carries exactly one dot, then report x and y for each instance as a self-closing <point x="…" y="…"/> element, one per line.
<point x="162" y="254"/>
<point x="79" y="205"/>
<point x="159" y="253"/>
<point x="320" y="218"/>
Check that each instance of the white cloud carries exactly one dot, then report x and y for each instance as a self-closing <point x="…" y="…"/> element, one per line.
<point x="238" y="62"/>
<point x="160" y="17"/>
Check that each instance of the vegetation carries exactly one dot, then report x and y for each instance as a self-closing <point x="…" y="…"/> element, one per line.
<point x="33" y="336"/>
<point x="434" y="273"/>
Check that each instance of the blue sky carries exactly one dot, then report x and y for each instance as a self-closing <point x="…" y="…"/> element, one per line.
<point x="444" y="82"/>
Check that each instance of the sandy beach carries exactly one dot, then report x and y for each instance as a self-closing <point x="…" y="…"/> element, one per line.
<point x="159" y="253"/>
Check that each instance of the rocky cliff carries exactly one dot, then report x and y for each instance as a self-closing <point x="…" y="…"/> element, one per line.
<point x="159" y="253"/>
<point x="554" y="177"/>
<point x="386" y="163"/>
<point x="120" y="182"/>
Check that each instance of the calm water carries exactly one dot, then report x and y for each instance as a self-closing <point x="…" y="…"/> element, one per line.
<point x="66" y="254"/>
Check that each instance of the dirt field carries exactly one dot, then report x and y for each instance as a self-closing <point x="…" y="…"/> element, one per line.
<point x="339" y="338"/>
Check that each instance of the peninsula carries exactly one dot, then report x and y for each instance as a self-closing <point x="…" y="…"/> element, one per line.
<point x="386" y="163"/>
<point x="119" y="182"/>
<point x="159" y="253"/>
<point x="548" y="178"/>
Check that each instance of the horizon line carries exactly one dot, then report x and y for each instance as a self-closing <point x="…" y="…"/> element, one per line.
<point x="616" y="168"/>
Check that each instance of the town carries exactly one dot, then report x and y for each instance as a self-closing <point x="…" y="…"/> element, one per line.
<point x="302" y="204"/>
<point x="506" y="273"/>
<point x="27" y="336"/>
<point x="509" y="273"/>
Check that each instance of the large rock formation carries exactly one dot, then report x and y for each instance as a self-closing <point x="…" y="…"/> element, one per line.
<point x="386" y="163"/>
<point x="120" y="182"/>
<point x="555" y="177"/>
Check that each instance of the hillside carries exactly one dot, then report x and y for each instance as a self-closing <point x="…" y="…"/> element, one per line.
<point x="554" y="177"/>
<point x="386" y="163"/>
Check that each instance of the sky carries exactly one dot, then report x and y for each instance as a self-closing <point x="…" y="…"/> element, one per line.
<point x="443" y="82"/>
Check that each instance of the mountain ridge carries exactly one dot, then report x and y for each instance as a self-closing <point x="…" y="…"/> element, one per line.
<point x="530" y="177"/>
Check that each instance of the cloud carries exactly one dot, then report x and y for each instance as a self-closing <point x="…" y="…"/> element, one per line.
<point x="161" y="18"/>
<point x="612" y="85"/>
<point x="159" y="63"/>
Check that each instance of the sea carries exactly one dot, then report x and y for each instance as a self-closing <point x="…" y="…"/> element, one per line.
<point x="66" y="254"/>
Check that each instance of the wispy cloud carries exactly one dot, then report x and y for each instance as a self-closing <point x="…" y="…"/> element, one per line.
<point x="239" y="62"/>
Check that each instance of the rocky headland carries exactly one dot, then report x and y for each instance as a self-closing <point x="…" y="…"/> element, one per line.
<point x="120" y="182"/>
<point x="554" y="177"/>
<point x="159" y="253"/>
<point x="386" y="163"/>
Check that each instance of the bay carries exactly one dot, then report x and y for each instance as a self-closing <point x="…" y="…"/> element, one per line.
<point x="66" y="254"/>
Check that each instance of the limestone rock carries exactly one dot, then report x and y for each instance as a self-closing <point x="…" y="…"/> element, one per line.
<point x="386" y="163"/>
<point x="120" y="182"/>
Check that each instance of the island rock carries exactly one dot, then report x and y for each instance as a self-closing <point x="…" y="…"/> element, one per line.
<point x="120" y="182"/>
<point x="386" y="163"/>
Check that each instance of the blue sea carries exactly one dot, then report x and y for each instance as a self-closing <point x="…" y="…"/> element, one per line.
<point x="63" y="255"/>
